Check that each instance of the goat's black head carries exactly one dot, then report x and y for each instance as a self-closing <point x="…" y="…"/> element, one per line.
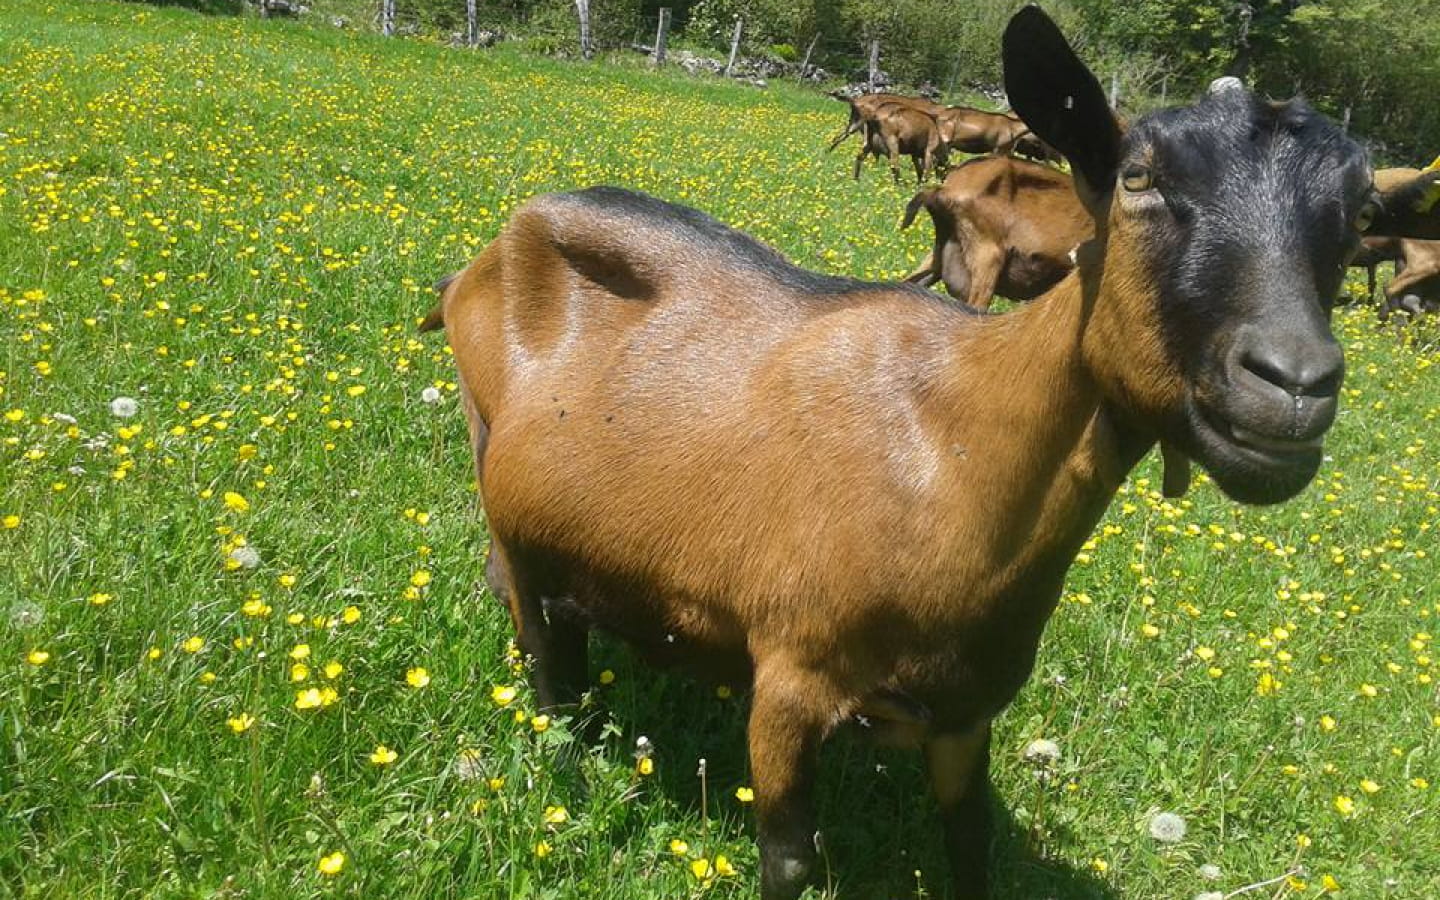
<point x="1223" y="232"/>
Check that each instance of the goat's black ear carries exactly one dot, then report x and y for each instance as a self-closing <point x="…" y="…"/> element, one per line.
<point x="1059" y="98"/>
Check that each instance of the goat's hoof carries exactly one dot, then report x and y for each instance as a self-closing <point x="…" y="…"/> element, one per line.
<point x="785" y="874"/>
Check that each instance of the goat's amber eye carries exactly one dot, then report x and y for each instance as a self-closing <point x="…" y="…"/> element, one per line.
<point x="1366" y="217"/>
<point x="1136" y="179"/>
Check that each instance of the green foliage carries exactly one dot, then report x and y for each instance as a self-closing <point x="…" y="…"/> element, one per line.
<point x="1381" y="60"/>
<point x="242" y="235"/>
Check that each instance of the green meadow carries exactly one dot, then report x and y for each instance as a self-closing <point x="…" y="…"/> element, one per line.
<point x="245" y="647"/>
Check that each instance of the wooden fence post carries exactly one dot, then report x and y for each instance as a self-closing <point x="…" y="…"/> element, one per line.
<point x="1114" y="89"/>
<point x="582" y="8"/>
<point x="1345" y="122"/>
<point x="1164" y="88"/>
<point x="472" y="24"/>
<point x="734" y="45"/>
<point x="874" y="63"/>
<point x="805" y="63"/>
<point x="661" y="34"/>
<point x="387" y="17"/>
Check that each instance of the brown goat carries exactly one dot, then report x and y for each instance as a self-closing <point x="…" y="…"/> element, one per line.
<point x="977" y="131"/>
<point x="1002" y="226"/>
<point x="683" y="438"/>
<point x="901" y="130"/>
<point x="1375" y="250"/>
<point x="866" y="107"/>
<point x="1409" y="202"/>
<point x="1416" y="286"/>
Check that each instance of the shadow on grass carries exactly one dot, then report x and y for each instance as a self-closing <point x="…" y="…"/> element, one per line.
<point x="881" y="826"/>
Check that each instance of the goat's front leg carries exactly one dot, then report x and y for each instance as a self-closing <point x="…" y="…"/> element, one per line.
<point x="960" y="776"/>
<point x="789" y="716"/>
<point x="556" y="642"/>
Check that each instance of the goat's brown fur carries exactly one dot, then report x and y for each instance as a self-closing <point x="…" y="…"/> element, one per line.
<point x="1002" y="227"/>
<point x="684" y="439"/>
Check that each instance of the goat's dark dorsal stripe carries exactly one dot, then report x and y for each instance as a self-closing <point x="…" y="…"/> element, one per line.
<point x="705" y="236"/>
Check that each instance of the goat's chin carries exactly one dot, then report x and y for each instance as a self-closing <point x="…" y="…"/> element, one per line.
<point x="1247" y="467"/>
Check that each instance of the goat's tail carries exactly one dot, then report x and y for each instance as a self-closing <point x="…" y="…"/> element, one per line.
<point x="435" y="319"/>
<point x="923" y="198"/>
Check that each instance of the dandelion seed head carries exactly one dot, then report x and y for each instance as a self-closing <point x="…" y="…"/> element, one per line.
<point x="1042" y="753"/>
<point x="1167" y="828"/>
<point x="1210" y="872"/>
<point x="469" y="765"/>
<point x="430" y="395"/>
<point x="124" y="407"/>
<point x="26" y="614"/>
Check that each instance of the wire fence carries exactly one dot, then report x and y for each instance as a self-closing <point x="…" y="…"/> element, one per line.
<point x="823" y="56"/>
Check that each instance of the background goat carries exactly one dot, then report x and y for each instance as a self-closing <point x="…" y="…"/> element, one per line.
<point x="977" y="131"/>
<point x="1415" y="286"/>
<point x="897" y="130"/>
<point x="866" y="107"/>
<point x="1002" y="226"/>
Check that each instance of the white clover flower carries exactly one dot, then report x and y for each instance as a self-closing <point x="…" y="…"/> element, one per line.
<point x="431" y="394"/>
<point x="1042" y="752"/>
<point x="1167" y="828"/>
<point x="124" y="407"/>
<point x="246" y="557"/>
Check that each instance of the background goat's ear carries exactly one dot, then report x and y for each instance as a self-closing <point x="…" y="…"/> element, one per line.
<point x="1060" y="99"/>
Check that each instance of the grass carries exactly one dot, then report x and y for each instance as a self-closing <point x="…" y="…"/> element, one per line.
<point x="235" y="224"/>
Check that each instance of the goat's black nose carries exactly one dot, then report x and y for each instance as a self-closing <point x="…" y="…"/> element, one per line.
<point x="1302" y="369"/>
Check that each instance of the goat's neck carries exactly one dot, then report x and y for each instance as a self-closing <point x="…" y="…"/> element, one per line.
<point x="1043" y="451"/>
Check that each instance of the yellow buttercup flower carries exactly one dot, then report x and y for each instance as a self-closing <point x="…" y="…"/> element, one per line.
<point x="241" y="723"/>
<point x="332" y="864"/>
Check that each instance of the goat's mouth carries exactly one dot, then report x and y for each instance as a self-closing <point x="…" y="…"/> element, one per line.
<point x="1249" y="461"/>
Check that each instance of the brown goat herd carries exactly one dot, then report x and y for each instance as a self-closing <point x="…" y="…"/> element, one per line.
<point x="861" y="499"/>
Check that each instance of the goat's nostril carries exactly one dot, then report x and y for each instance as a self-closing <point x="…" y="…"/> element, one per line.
<point x="1311" y="374"/>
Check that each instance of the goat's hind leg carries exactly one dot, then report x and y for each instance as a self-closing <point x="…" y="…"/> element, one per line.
<point x="960" y="776"/>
